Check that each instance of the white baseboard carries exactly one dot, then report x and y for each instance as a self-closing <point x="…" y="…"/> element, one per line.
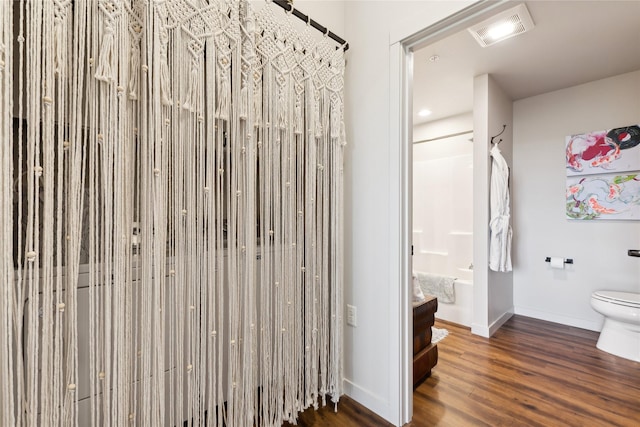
<point x="369" y="400"/>
<point x="563" y="320"/>
<point x="500" y="321"/>
<point x="480" y="330"/>
<point x="488" y="330"/>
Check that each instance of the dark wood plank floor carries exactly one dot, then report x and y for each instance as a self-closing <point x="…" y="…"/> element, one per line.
<point x="531" y="373"/>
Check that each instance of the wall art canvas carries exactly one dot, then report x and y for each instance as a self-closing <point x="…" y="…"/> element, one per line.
<point x="603" y="174"/>
<point x="604" y="196"/>
<point x="607" y="151"/>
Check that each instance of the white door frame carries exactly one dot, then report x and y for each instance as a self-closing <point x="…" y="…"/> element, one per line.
<point x="400" y="185"/>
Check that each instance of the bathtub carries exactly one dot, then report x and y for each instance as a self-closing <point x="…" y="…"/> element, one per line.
<point x="460" y="312"/>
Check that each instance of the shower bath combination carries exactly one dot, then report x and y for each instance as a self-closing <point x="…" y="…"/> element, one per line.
<point x="443" y="221"/>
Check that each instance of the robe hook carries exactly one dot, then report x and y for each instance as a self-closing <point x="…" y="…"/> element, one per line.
<point x="501" y="132"/>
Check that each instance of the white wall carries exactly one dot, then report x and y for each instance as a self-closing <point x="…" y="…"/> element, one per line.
<point x="371" y="361"/>
<point x="493" y="292"/>
<point x="447" y="126"/>
<point x="499" y="284"/>
<point x="599" y="248"/>
<point x="372" y="353"/>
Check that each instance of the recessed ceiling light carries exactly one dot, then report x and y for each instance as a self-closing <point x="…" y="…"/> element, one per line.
<point x="502" y="26"/>
<point x="424" y="113"/>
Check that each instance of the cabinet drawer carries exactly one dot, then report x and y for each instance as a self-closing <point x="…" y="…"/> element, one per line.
<point x="423" y="318"/>
<point x="423" y="362"/>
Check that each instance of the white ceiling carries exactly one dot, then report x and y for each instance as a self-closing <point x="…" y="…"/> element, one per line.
<point x="573" y="42"/>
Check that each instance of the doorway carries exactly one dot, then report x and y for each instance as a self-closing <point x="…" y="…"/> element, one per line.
<point x="401" y="124"/>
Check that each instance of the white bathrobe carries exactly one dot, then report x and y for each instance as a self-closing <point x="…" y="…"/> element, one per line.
<point x="500" y="246"/>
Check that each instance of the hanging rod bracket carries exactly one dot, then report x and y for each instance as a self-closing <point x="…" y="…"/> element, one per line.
<point x="287" y="5"/>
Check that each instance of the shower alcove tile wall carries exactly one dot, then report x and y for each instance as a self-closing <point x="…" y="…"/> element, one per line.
<point x="443" y="207"/>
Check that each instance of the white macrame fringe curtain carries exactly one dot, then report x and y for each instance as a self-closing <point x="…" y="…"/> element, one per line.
<point x="171" y="218"/>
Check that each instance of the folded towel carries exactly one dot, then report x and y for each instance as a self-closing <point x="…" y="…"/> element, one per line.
<point x="418" y="295"/>
<point x="439" y="286"/>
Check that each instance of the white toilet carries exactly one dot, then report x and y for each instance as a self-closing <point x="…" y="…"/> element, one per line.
<point x="620" y="333"/>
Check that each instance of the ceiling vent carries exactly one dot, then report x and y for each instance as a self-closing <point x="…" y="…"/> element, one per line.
<point x="502" y="26"/>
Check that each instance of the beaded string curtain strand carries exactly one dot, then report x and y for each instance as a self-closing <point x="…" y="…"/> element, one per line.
<point x="173" y="247"/>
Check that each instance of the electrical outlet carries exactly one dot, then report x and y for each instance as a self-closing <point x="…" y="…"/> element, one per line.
<point x="352" y="315"/>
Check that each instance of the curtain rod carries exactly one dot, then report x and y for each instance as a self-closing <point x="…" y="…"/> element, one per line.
<point x="451" y="135"/>
<point x="288" y="6"/>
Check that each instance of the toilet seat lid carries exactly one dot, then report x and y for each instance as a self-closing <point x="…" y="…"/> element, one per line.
<point x="616" y="297"/>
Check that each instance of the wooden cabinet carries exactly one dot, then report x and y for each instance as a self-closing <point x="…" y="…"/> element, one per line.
<point x="425" y="354"/>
